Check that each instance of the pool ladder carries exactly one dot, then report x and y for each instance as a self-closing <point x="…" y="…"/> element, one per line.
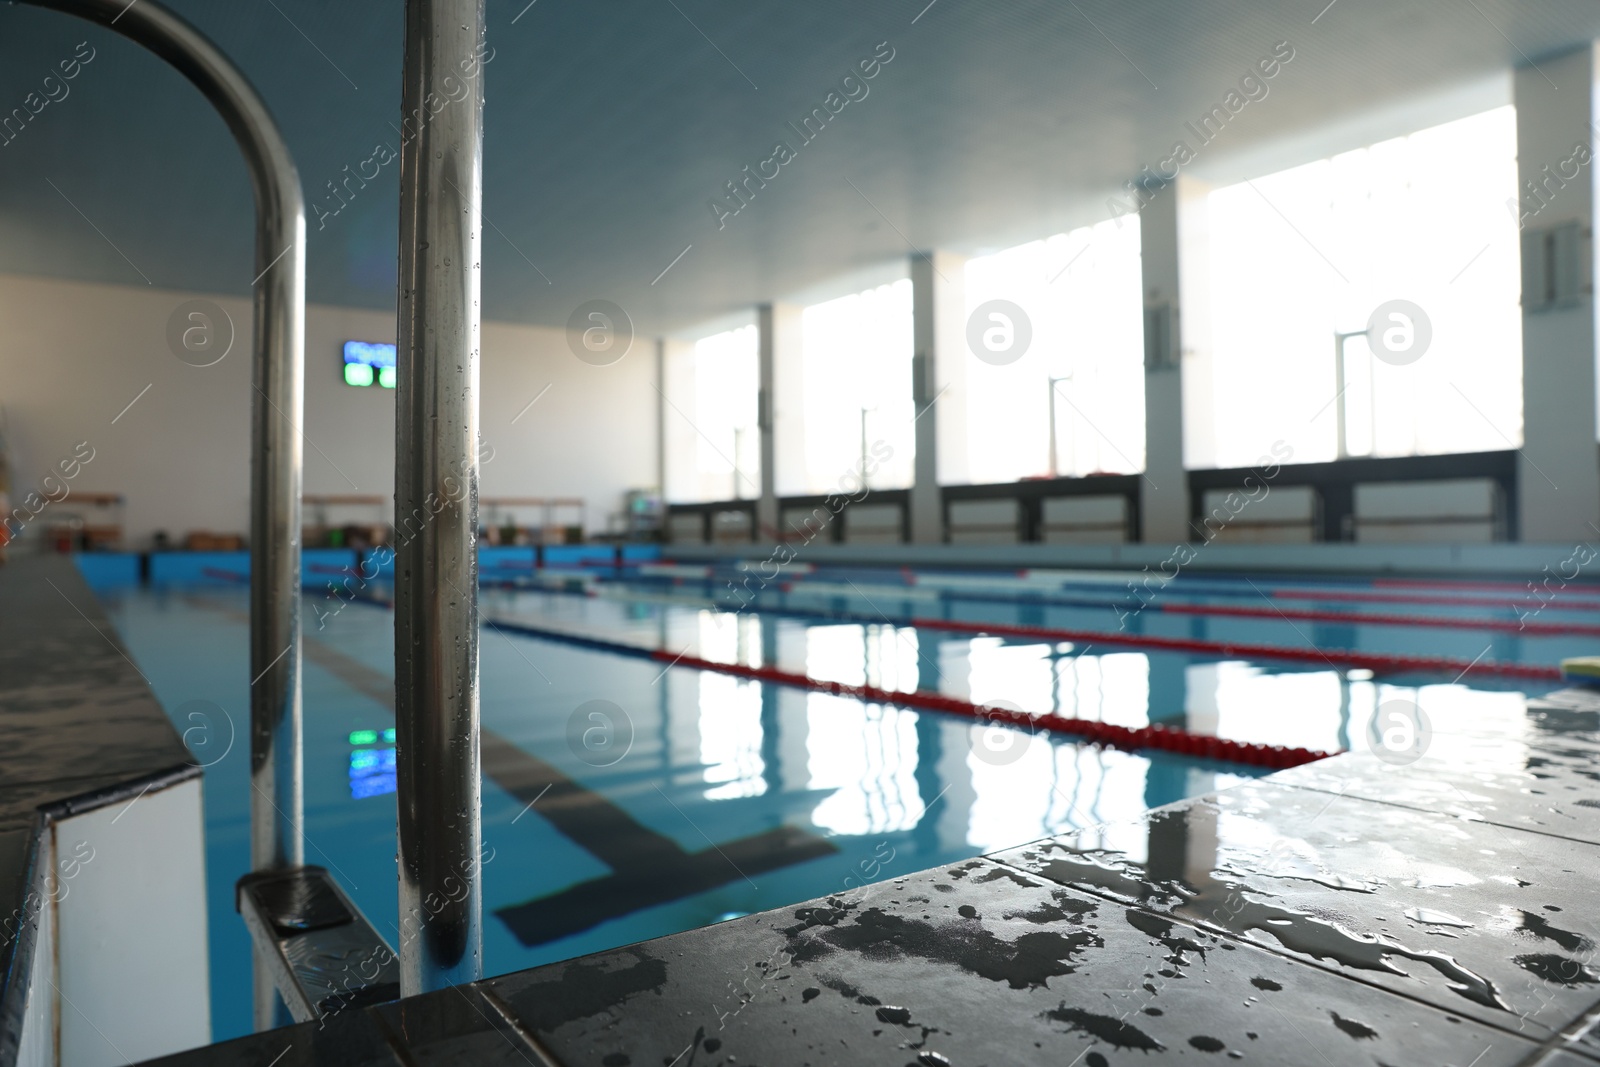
<point x="313" y="947"/>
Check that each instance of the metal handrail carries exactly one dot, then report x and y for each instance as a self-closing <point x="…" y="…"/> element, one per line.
<point x="437" y="761"/>
<point x="277" y="376"/>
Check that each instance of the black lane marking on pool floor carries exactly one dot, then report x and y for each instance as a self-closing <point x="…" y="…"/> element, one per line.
<point x="647" y="868"/>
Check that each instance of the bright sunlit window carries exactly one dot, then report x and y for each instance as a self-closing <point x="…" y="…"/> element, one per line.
<point x="1081" y="294"/>
<point x="857" y="357"/>
<point x="727" y="455"/>
<point x="1301" y="255"/>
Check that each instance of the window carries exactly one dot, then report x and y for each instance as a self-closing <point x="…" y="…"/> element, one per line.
<point x="1081" y="294"/>
<point x="1301" y="255"/>
<point x="856" y="353"/>
<point x="727" y="449"/>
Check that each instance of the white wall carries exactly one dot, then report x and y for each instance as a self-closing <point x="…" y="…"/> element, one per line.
<point x="72" y="356"/>
<point x="133" y="970"/>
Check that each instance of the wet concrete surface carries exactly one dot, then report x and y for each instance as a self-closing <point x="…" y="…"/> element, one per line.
<point x="79" y="730"/>
<point x="1535" y="771"/>
<point x="1350" y="912"/>
<point x="1476" y="919"/>
<point x="970" y="964"/>
<point x="77" y="716"/>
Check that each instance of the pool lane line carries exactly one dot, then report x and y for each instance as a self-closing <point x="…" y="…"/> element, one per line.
<point x="1529" y="628"/>
<point x="1054" y="599"/>
<point x="1479" y="585"/>
<point x="221" y="575"/>
<point x="648" y="868"/>
<point x="1508" y="602"/>
<point x="1377" y="662"/>
<point x="1161" y="738"/>
<point x="1587" y="599"/>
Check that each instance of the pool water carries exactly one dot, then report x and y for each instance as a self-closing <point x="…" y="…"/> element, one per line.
<point x="624" y="798"/>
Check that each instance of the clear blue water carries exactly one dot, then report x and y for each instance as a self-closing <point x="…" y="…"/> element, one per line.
<point x="711" y="760"/>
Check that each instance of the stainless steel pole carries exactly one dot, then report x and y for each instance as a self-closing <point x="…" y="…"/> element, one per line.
<point x="277" y="374"/>
<point x="436" y="497"/>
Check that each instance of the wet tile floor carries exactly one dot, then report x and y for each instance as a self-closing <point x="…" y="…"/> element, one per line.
<point x="1348" y="912"/>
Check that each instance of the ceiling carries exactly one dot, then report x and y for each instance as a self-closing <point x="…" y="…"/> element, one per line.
<point x="611" y="123"/>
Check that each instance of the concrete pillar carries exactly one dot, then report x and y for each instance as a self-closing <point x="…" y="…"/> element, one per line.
<point x="1558" y="479"/>
<point x="1173" y="246"/>
<point x="661" y="418"/>
<point x="938" y="311"/>
<point x="780" y="411"/>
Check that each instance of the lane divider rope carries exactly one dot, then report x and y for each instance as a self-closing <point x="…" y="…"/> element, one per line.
<point x="1085" y="598"/>
<point x="1584" y="602"/>
<point x="1388" y="663"/>
<point x="1586" y="597"/>
<point x="1531" y="628"/>
<point x="1160" y="738"/>
<point x="1480" y="585"/>
<point x="1528" y="628"/>
<point x="1377" y="662"/>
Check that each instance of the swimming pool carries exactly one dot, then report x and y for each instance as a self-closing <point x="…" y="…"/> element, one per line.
<point x="627" y="797"/>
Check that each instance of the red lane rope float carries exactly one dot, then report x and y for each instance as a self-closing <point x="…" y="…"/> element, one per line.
<point x="1378" y="662"/>
<point x="1338" y="657"/>
<point x="1529" y="627"/>
<point x="1479" y="585"/>
<point x="222" y="575"/>
<point x="1163" y="738"/>
<point x="1525" y="627"/>
<point x="1507" y="601"/>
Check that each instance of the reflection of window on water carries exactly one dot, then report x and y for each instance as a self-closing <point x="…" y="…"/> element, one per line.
<point x="1054" y="787"/>
<point x="372" y="769"/>
<point x="725" y="637"/>
<point x="1112" y="688"/>
<point x="867" y="753"/>
<point x="1241" y="701"/>
<point x="882" y="656"/>
<point x="730" y="737"/>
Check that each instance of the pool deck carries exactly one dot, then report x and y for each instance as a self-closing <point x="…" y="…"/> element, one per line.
<point x="1345" y="912"/>
<point x="79" y="731"/>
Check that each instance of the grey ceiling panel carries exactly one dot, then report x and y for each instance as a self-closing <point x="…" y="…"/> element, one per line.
<point x="612" y="123"/>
